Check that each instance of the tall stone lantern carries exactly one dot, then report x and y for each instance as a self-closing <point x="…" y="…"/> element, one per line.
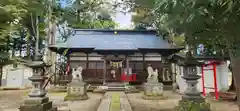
<point x="192" y="98"/>
<point x="37" y="100"/>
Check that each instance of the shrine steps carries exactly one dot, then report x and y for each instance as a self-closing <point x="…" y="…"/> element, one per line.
<point x="116" y="86"/>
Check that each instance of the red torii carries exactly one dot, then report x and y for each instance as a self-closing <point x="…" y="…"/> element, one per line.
<point x="213" y="63"/>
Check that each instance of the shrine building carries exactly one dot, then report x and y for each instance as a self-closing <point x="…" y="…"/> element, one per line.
<point x="105" y="55"/>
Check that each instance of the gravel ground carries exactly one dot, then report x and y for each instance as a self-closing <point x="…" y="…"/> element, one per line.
<point x="10" y="100"/>
<point x="138" y="104"/>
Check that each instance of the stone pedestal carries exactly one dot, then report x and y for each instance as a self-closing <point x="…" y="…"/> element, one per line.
<point x="37" y="104"/>
<point x="76" y="90"/>
<point x="153" y="91"/>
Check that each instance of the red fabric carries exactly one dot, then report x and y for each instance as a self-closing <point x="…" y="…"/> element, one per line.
<point x="132" y="77"/>
<point x="123" y="77"/>
<point x="68" y="69"/>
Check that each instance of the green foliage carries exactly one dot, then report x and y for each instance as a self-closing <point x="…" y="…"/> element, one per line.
<point x="88" y="14"/>
<point x="11" y="11"/>
<point x="73" y="97"/>
<point x="209" y="22"/>
<point x="193" y="106"/>
<point x="143" y="13"/>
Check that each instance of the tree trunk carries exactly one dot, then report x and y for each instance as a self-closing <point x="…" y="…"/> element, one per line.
<point x="235" y="70"/>
<point x="1" y="72"/>
<point x="232" y="86"/>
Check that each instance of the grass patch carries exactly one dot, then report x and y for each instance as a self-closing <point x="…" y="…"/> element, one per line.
<point x="115" y="102"/>
<point x="57" y="93"/>
<point x="26" y="93"/>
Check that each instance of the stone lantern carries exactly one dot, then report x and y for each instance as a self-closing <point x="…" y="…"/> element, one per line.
<point x="192" y="98"/>
<point x="37" y="100"/>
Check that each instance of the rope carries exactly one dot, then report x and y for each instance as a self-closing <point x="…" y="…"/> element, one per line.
<point x="65" y="51"/>
<point x="48" y="80"/>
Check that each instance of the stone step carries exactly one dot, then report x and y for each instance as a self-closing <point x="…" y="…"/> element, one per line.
<point x="115" y="85"/>
<point x="116" y="88"/>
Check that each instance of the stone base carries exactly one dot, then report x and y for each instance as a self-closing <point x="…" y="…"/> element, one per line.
<point x="100" y="89"/>
<point x="174" y="85"/>
<point x="76" y="91"/>
<point x="58" y="89"/>
<point x="75" y="97"/>
<point x="153" y="89"/>
<point x="154" y="97"/>
<point x="185" y="105"/>
<point x="37" y="104"/>
<point x="131" y="89"/>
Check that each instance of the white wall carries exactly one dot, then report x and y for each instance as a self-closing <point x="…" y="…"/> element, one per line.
<point x="23" y="73"/>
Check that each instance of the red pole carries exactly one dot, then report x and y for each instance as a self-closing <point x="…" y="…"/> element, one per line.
<point x="203" y="86"/>
<point x="215" y="81"/>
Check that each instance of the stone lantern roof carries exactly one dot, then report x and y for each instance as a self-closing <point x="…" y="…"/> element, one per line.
<point x="190" y="60"/>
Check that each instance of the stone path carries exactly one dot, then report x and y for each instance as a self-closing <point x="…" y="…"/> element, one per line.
<point x="107" y="103"/>
<point x="10" y="101"/>
<point x="139" y="104"/>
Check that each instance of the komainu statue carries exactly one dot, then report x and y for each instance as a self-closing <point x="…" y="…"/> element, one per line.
<point x="152" y="75"/>
<point x="153" y="89"/>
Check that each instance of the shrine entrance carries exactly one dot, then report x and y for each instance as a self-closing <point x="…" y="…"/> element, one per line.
<point x="115" y="68"/>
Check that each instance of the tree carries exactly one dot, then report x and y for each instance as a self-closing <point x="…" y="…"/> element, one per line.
<point x="88" y="14"/>
<point x="213" y="22"/>
<point x="143" y="15"/>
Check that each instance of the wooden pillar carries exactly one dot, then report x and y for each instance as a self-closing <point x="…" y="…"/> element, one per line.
<point x="144" y="63"/>
<point x="127" y="64"/>
<point x="104" y="69"/>
<point x="87" y="61"/>
<point x="174" y="74"/>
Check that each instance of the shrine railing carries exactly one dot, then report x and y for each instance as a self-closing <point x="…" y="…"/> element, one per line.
<point x="96" y="75"/>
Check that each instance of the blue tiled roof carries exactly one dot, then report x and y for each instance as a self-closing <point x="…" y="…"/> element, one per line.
<point x="115" y="40"/>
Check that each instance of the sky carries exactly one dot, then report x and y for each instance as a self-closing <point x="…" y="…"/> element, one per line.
<point x="124" y="20"/>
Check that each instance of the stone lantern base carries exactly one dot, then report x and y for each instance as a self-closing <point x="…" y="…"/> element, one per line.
<point x="187" y="105"/>
<point x="153" y="91"/>
<point x="77" y="90"/>
<point x="37" y="104"/>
